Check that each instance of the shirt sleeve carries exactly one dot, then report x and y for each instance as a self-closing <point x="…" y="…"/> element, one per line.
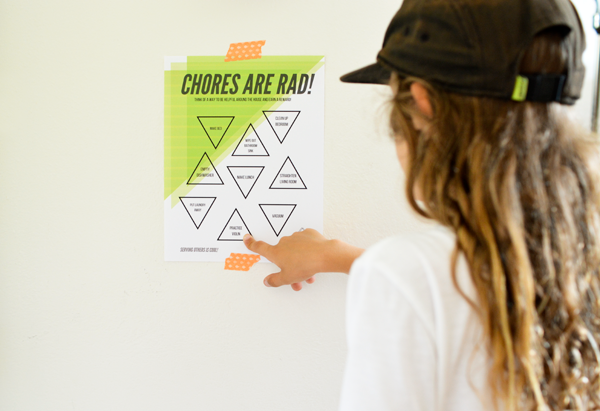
<point x="391" y="362"/>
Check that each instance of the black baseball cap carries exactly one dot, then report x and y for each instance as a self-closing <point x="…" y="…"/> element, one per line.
<point x="475" y="47"/>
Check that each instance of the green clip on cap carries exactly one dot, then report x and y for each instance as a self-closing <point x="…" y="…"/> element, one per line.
<point x="474" y="47"/>
<point x="521" y="86"/>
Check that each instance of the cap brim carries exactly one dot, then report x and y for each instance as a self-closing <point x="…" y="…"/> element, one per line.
<point x="373" y="74"/>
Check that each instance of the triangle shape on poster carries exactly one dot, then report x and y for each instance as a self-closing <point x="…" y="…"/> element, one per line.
<point x="205" y="173"/>
<point x="197" y="207"/>
<point x="245" y="177"/>
<point x="235" y="228"/>
<point x="281" y="122"/>
<point x="277" y="215"/>
<point x="288" y="178"/>
<point x="250" y="145"/>
<point x="215" y="127"/>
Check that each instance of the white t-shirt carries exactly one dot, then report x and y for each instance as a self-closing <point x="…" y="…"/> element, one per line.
<point x="412" y="338"/>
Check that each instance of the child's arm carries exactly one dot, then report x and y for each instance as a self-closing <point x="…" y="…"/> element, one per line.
<point x="302" y="255"/>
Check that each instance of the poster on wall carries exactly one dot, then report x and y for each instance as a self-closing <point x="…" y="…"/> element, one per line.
<point x="243" y="152"/>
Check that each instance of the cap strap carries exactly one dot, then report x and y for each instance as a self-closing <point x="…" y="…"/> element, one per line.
<point x="539" y="87"/>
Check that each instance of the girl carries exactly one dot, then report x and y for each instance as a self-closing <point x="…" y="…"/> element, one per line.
<point x="497" y="304"/>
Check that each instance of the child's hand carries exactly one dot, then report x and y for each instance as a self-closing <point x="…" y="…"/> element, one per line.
<point x="302" y="255"/>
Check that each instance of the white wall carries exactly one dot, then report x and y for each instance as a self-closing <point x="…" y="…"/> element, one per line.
<point x="91" y="317"/>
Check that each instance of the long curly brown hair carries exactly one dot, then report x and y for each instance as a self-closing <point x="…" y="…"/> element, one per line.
<point x="518" y="183"/>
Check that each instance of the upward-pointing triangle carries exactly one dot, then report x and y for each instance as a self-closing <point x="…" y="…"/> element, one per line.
<point x="281" y="121"/>
<point x="205" y="173"/>
<point x="288" y="177"/>
<point x="250" y="145"/>
<point x="215" y="127"/>
<point x="235" y="228"/>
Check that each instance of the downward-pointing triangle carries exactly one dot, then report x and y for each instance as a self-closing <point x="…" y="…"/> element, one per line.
<point x="245" y="177"/>
<point x="277" y="215"/>
<point x="197" y="207"/>
<point x="215" y="127"/>
<point x="281" y="122"/>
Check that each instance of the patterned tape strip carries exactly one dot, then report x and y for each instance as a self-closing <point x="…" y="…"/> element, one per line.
<point x="241" y="262"/>
<point x="245" y="51"/>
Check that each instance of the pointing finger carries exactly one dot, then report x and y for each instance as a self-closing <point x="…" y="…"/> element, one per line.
<point x="259" y="247"/>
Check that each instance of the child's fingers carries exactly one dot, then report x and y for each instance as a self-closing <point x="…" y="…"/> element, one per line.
<point x="259" y="247"/>
<point x="298" y="286"/>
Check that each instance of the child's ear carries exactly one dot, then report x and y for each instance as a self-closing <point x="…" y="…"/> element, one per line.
<point x="421" y="97"/>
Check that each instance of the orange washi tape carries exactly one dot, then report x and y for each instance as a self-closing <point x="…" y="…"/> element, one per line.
<point x="245" y="51"/>
<point x="241" y="262"/>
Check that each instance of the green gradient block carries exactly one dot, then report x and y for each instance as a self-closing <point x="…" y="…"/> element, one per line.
<point x="187" y="139"/>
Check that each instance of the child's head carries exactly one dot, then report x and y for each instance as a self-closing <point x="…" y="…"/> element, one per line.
<point x="493" y="156"/>
<point x="451" y="136"/>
